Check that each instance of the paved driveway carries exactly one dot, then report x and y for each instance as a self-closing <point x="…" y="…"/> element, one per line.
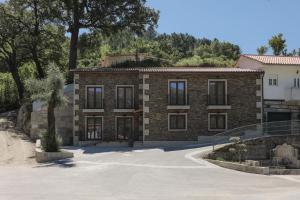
<point x="97" y="173"/>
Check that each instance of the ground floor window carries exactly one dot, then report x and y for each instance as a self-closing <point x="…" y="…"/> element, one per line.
<point x="217" y="121"/>
<point x="94" y="128"/>
<point x="124" y="126"/>
<point x="177" y="121"/>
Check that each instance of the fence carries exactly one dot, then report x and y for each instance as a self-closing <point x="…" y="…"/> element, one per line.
<point x="291" y="127"/>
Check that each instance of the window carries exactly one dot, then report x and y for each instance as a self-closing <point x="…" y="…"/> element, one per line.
<point x="217" y="121"/>
<point x="178" y="121"/>
<point x="177" y="92"/>
<point x="124" y="127"/>
<point x="217" y="92"/>
<point x="125" y="97"/>
<point x="94" y="127"/>
<point x="296" y="82"/>
<point x="94" y="97"/>
<point x="273" y="80"/>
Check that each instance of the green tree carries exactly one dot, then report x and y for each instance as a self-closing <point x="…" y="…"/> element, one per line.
<point x="103" y="15"/>
<point x="262" y="50"/>
<point x="277" y="43"/>
<point x="50" y="90"/>
<point x="42" y="37"/>
<point x="12" y="46"/>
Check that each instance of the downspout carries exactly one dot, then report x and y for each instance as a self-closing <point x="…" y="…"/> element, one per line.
<point x="262" y="97"/>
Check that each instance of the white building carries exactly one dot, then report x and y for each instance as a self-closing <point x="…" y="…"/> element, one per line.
<point x="281" y="84"/>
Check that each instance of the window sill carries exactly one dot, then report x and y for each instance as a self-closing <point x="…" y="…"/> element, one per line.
<point x="217" y="129"/>
<point x="178" y="107"/>
<point x="215" y="107"/>
<point x="177" y="130"/>
<point x="124" y="110"/>
<point x="92" y="110"/>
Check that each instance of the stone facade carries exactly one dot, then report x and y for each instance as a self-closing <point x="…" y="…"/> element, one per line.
<point x="151" y="107"/>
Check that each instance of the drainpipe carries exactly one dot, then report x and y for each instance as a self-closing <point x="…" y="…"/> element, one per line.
<point x="262" y="98"/>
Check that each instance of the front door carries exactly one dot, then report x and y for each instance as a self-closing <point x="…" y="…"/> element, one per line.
<point x="124" y="128"/>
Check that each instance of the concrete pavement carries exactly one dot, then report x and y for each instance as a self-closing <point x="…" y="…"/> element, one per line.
<point x="122" y="173"/>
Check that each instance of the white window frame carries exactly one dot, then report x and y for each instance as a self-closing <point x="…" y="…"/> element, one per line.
<point x="85" y="128"/>
<point x="116" y="124"/>
<point x="226" y="121"/>
<point x="296" y="80"/>
<point x="272" y="77"/>
<point x="186" y="121"/>
<point x="186" y="106"/>
<point x="85" y="99"/>
<point x="116" y="99"/>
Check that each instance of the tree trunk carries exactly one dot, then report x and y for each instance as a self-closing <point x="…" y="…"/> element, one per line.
<point x="51" y="144"/>
<point x="40" y="71"/>
<point x="74" y="29"/>
<point x="73" y="48"/>
<point x="20" y="87"/>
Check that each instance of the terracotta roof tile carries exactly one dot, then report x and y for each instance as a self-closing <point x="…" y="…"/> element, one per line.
<point x="166" y="69"/>
<point x="275" y="60"/>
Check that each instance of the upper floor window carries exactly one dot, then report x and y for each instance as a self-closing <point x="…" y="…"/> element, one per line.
<point x="94" y="97"/>
<point x="273" y="80"/>
<point x="217" y="92"/>
<point x="177" y="92"/>
<point x="125" y="96"/>
<point x="296" y="82"/>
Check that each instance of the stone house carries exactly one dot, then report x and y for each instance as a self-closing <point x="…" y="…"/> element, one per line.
<point x="163" y="104"/>
<point x="281" y="84"/>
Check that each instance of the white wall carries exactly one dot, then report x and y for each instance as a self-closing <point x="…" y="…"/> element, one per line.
<point x="286" y="75"/>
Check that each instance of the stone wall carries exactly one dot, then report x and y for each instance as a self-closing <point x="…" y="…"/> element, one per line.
<point x="63" y="119"/>
<point x="109" y="82"/>
<point x="151" y="101"/>
<point x="261" y="148"/>
<point x="242" y="95"/>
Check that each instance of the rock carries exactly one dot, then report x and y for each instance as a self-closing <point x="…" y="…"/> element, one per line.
<point x="287" y="155"/>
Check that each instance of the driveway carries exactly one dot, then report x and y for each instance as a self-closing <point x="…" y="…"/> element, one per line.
<point x="138" y="174"/>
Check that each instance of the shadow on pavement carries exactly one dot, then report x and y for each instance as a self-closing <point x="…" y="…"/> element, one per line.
<point x="65" y="163"/>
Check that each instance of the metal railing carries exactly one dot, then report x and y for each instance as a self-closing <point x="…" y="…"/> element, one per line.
<point x="291" y="127"/>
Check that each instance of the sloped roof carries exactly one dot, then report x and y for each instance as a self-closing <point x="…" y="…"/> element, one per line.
<point x="275" y="60"/>
<point x="167" y="69"/>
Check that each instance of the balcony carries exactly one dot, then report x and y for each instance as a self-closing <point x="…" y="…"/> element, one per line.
<point x="218" y="102"/>
<point x="181" y="105"/>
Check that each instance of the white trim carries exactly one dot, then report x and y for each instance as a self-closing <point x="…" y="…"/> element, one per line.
<point x="186" y="91"/>
<point x="173" y="107"/>
<point x="85" y="98"/>
<point x="226" y="119"/>
<point x="223" y="80"/>
<point x="92" y="110"/>
<point x="116" y="128"/>
<point x="186" y="123"/>
<point x="123" y="110"/>
<point x="116" y="93"/>
<point x="216" y="107"/>
<point x="85" y="126"/>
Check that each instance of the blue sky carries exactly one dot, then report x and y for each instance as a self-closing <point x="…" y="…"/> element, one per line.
<point x="248" y="23"/>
